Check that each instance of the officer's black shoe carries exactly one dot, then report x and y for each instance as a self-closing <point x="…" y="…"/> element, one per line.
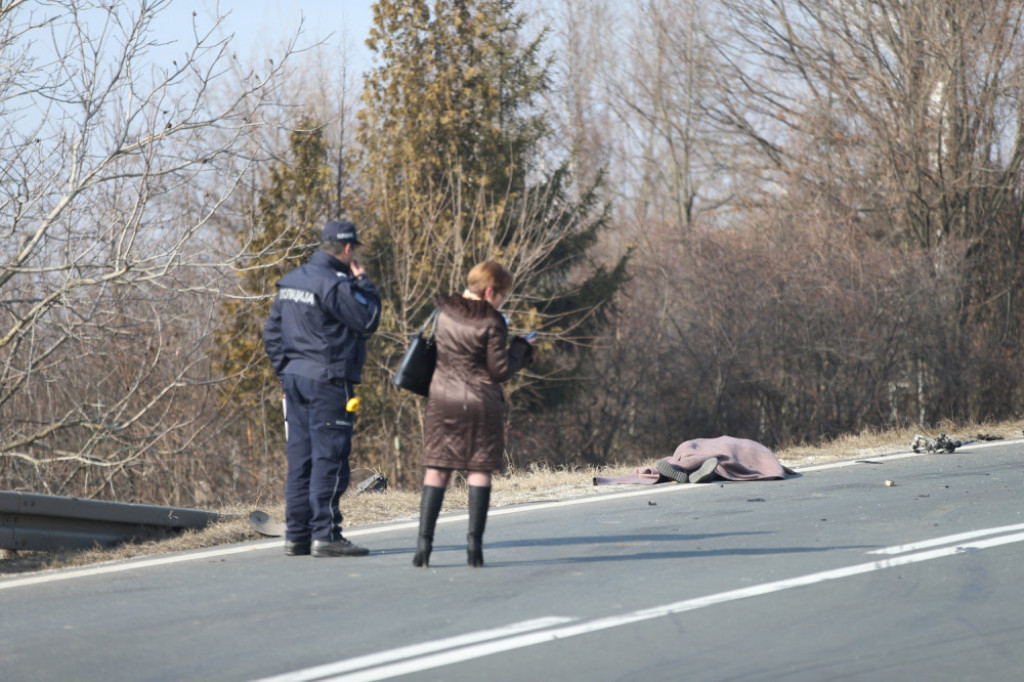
<point x="296" y="547"/>
<point x="339" y="547"/>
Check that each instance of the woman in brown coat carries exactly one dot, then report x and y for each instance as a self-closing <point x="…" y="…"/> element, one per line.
<point x="464" y="428"/>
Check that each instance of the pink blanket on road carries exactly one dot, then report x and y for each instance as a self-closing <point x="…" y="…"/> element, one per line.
<point x="738" y="460"/>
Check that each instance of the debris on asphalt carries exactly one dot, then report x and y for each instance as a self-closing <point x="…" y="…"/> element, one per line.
<point x="941" y="444"/>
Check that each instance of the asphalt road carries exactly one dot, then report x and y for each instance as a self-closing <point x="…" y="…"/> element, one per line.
<point x="831" y="575"/>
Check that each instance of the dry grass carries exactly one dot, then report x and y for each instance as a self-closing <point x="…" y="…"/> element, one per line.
<point x="870" y="443"/>
<point x="536" y="485"/>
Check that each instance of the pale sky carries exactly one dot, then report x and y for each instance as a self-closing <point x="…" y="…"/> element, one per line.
<point x="261" y="25"/>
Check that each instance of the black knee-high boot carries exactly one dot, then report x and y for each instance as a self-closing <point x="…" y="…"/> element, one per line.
<point x="430" y="507"/>
<point x="479" y="501"/>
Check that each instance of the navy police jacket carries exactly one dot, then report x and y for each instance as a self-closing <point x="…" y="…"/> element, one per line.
<point x="320" y="319"/>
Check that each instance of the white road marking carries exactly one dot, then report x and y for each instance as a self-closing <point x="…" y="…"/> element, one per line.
<point x="129" y="565"/>
<point x="118" y="567"/>
<point x="103" y="569"/>
<point x="948" y="539"/>
<point x="321" y="671"/>
<point x="451" y="656"/>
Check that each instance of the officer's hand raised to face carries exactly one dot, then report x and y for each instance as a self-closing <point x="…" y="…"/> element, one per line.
<point x="357" y="268"/>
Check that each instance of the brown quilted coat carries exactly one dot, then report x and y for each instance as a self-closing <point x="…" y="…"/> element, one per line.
<point x="464" y="428"/>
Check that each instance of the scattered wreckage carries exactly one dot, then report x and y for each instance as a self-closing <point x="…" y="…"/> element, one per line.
<point x="941" y="444"/>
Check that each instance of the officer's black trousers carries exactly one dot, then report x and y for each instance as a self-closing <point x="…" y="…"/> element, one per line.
<point x="319" y="443"/>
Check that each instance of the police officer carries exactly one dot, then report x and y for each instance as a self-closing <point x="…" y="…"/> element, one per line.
<point x="315" y="338"/>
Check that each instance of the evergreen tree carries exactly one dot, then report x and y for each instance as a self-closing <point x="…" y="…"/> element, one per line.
<point x="452" y="161"/>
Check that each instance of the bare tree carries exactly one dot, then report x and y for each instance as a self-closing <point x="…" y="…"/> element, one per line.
<point x="908" y="118"/>
<point x="913" y="106"/>
<point x="116" y="153"/>
<point x="879" y="142"/>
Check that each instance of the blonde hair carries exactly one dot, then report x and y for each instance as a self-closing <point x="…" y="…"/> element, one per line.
<point x="489" y="274"/>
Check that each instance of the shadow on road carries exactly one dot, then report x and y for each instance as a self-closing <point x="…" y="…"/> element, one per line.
<point x="627" y="542"/>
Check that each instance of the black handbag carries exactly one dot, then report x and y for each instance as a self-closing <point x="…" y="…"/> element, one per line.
<point x="417" y="366"/>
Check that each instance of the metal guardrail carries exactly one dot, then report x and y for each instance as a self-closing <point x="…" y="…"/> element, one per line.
<point x="43" y="522"/>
